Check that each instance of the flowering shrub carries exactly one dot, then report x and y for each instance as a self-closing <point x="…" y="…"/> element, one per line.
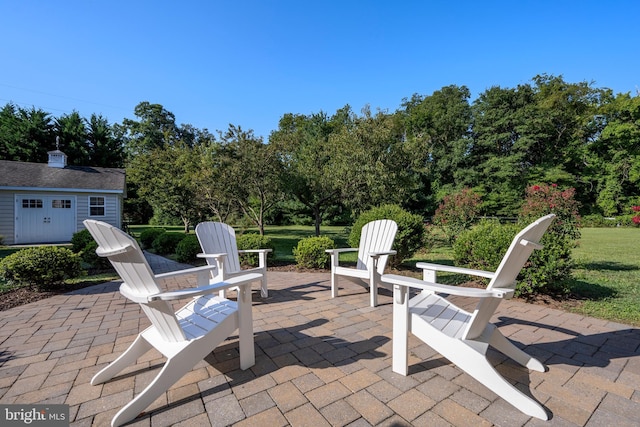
<point x="549" y="269"/>
<point x="636" y="217"/>
<point x="457" y="212"/>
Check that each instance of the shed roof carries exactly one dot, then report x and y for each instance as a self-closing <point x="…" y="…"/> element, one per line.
<point x="40" y="175"/>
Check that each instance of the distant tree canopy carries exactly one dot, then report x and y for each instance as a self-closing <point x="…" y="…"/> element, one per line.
<point x="323" y="167"/>
<point x="27" y="135"/>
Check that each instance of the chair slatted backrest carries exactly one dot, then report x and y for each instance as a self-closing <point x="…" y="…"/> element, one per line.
<point x="505" y="276"/>
<point x="216" y="238"/>
<point x="129" y="262"/>
<point x="376" y="236"/>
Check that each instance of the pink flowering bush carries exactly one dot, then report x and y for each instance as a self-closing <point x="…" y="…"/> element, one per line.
<point x="636" y="217"/>
<point x="457" y="212"/>
<point x="548" y="270"/>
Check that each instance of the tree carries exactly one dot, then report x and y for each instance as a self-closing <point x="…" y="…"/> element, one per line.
<point x="617" y="155"/>
<point x="155" y="128"/>
<point x="70" y="128"/>
<point x="214" y="177"/>
<point x="25" y="135"/>
<point x="255" y="174"/>
<point x="9" y="132"/>
<point x="304" y="146"/>
<point x="370" y="165"/>
<point x="437" y="131"/>
<point x="164" y="177"/>
<point x="106" y="148"/>
<point x="567" y="121"/>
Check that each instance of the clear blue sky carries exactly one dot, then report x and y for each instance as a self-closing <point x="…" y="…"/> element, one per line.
<point x="212" y="63"/>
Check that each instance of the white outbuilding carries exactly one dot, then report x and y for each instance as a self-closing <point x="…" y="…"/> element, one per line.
<point x="46" y="203"/>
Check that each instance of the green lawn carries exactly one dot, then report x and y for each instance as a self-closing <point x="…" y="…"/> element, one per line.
<point x="608" y="274"/>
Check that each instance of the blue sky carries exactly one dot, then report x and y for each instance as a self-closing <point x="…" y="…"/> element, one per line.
<point x="248" y="63"/>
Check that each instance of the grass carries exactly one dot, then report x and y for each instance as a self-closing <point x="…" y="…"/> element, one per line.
<point x="606" y="274"/>
<point x="605" y="278"/>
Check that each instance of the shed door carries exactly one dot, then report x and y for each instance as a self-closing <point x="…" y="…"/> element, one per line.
<point x="45" y="219"/>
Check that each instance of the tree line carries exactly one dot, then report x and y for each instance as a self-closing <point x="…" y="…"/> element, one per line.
<point x="327" y="168"/>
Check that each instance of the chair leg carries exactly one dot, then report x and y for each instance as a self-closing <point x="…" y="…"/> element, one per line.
<point x="172" y="371"/>
<point x="263" y="285"/>
<point x="139" y="347"/>
<point x="373" y="286"/>
<point x="506" y="347"/>
<point x="400" y="355"/>
<point x="334" y="285"/>
<point x="245" y="328"/>
<point x="477" y="365"/>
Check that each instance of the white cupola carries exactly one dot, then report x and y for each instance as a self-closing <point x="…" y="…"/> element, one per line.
<point x="57" y="159"/>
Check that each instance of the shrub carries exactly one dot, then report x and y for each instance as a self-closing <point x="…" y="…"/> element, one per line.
<point x="254" y="241"/>
<point x="84" y="245"/>
<point x="80" y="240"/>
<point x="483" y="246"/>
<point x="635" y="219"/>
<point x="41" y="266"/>
<point x="310" y="252"/>
<point x="596" y="220"/>
<point x="188" y="248"/>
<point x="411" y="235"/>
<point x="149" y="235"/>
<point x="457" y="212"/>
<point x="548" y="270"/>
<point x="166" y="243"/>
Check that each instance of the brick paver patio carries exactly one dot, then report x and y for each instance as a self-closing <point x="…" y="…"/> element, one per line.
<point x="319" y="362"/>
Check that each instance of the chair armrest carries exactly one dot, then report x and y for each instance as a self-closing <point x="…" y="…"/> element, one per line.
<point x="381" y="253"/>
<point x="194" y="270"/>
<point x="337" y="251"/>
<point x="453" y="269"/>
<point x="204" y="290"/>
<point x="220" y="255"/>
<point x="412" y="282"/>
<point x="246" y="251"/>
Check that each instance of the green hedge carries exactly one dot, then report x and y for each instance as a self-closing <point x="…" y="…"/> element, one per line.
<point x="188" y="249"/>
<point x="310" y="252"/>
<point x="41" y="267"/>
<point x="166" y="243"/>
<point x="149" y="235"/>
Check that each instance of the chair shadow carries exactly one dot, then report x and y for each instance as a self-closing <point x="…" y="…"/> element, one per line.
<point x="6" y="356"/>
<point x="608" y="265"/>
<point x="595" y="350"/>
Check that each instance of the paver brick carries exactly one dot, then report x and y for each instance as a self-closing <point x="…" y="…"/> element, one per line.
<point x="287" y="396"/>
<point x="306" y="416"/>
<point x="369" y="407"/>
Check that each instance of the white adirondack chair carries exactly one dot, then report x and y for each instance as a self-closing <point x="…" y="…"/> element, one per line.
<point x="464" y="337"/>
<point x="218" y="243"/>
<point x="376" y="240"/>
<point x="184" y="337"/>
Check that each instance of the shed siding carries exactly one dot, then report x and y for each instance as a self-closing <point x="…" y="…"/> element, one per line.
<point x="112" y="212"/>
<point x="7" y="215"/>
